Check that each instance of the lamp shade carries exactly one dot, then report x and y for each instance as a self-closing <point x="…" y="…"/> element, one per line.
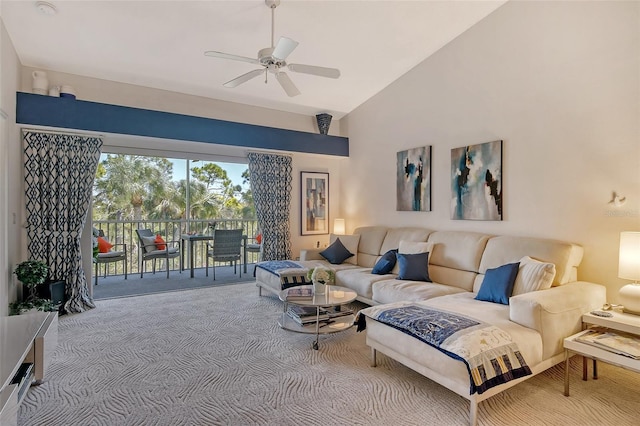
<point x="338" y="227"/>
<point x="629" y="256"/>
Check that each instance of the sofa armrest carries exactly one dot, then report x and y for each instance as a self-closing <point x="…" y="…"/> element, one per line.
<point x="311" y="254"/>
<point x="556" y="313"/>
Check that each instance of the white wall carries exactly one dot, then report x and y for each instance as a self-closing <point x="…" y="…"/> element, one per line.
<point x="559" y="82"/>
<point x="10" y="172"/>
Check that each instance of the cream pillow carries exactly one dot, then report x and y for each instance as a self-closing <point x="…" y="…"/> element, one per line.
<point x="412" y="247"/>
<point x="149" y="243"/>
<point x="350" y="242"/>
<point x="533" y="275"/>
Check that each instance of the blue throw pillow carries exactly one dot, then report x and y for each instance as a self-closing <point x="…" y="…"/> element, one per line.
<point x="414" y="267"/>
<point x="497" y="284"/>
<point x="385" y="264"/>
<point x="336" y="253"/>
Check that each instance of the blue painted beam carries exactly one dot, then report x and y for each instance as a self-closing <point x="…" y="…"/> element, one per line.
<point x="83" y="115"/>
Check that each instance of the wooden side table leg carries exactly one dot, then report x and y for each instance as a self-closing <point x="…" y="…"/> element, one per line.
<point x="566" y="372"/>
<point x="585" y="373"/>
<point x="595" y="370"/>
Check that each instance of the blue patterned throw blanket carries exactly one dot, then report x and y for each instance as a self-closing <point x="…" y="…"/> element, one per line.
<point x="490" y="355"/>
<point x="291" y="273"/>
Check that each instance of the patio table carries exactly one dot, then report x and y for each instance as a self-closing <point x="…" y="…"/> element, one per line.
<point x="191" y="239"/>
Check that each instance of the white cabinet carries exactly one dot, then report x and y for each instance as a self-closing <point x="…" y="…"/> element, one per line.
<point x="26" y="345"/>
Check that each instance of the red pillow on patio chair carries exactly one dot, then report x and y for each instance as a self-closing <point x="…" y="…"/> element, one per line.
<point x="160" y="243"/>
<point x="104" y="246"/>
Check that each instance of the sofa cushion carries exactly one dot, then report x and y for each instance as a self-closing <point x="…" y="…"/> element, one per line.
<point x="506" y="249"/>
<point x="359" y="280"/>
<point x="350" y="242"/>
<point x="336" y="253"/>
<point x="529" y="341"/>
<point x="371" y="238"/>
<point x="458" y="250"/>
<point x="411" y="247"/>
<point x="413" y="267"/>
<point x="455" y="258"/>
<point x="386" y="263"/>
<point x="394" y="290"/>
<point x="498" y="284"/>
<point x="324" y="263"/>
<point x="395" y="235"/>
<point x="533" y="275"/>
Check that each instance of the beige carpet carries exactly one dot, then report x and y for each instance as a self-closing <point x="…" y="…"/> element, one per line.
<point x="216" y="356"/>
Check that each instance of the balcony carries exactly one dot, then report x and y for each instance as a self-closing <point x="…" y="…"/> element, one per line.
<point x="123" y="232"/>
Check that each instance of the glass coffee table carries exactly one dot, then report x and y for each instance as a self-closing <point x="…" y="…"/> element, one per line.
<point x="305" y="312"/>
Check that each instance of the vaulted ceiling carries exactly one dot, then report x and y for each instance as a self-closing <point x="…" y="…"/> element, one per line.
<point x="161" y="44"/>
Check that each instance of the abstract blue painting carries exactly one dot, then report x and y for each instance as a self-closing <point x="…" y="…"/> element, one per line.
<point x="413" y="181"/>
<point x="476" y="182"/>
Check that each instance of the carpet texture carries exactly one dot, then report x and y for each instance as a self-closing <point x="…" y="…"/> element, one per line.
<point x="216" y="356"/>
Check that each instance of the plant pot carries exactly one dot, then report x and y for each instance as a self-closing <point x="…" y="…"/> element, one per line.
<point x="53" y="290"/>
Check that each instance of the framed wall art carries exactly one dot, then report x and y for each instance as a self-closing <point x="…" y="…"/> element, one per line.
<point x="314" y="203"/>
<point x="476" y="182"/>
<point x="413" y="180"/>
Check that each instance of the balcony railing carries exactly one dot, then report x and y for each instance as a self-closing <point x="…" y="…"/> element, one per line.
<point x="123" y="232"/>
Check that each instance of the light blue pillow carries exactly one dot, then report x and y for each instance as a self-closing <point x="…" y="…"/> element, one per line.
<point x="497" y="284"/>
<point x="336" y="253"/>
<point x="413" y="267"/>
<point x="386" y="263"/>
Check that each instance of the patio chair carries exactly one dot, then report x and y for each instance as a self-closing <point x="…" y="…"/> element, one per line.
<point x="149" y="251"/>
<point x="226" y="247"/>
<point x="110" y="257"/>
<point x="256" y="247"/>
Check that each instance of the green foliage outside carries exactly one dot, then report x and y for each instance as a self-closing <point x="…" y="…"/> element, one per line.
<point x="134" y="187"/>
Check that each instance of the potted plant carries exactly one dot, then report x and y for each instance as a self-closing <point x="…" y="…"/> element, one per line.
<point x="31" y="273"/>
<point x="321" y="277"/>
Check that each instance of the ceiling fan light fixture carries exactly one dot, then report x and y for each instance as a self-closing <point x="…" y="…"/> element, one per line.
<point x="46" y="8"/>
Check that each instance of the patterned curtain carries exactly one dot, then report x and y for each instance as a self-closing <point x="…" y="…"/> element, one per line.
<point x="271" y="188"/>
<point x="59" y="172"/>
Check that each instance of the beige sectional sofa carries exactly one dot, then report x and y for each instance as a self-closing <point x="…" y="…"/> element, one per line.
<point x="537" y="321"/>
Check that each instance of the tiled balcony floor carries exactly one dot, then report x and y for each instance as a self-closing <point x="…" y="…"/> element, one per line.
<point x="117" y="286"/>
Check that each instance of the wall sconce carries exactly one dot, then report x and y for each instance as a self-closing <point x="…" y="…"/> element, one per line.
<point x="338" y="226"/>
<point x="629" y="269"/>
<point x="617" y="200"/>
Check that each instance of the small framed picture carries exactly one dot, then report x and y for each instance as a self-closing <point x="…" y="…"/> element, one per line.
<point x="314" y="203"/>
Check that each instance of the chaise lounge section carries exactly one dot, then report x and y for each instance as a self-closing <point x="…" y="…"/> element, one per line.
<point x="545" y="305"/>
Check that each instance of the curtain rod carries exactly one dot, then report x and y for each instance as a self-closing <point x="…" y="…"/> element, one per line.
<point x="62" y="132"/>
<point x="255" y="151"/>
<point x="109" y="148"/>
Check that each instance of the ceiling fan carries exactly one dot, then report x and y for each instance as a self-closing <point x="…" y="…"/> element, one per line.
<point x="273" y="60"/>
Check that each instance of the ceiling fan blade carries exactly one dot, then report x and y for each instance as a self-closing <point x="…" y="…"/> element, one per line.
<point x="314" y="70"/>
<point x="284" y="48"/>
<point x="243" y="78"/>
<point x="287" y="84"/>
<point x="222" y="55"/>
